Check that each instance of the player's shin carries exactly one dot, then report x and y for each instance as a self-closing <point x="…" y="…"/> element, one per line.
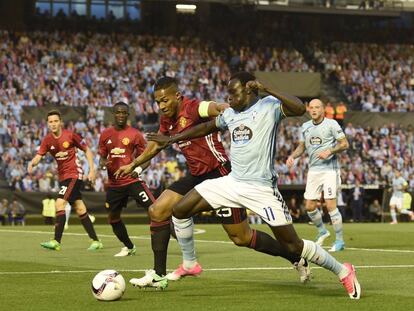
<point x="160" y="237"/>
<point x="87" y="224"/>
<point x="316" y="254"/>
<point x="264" y="243"/>
<point x="316" y="218"/>
<point x="184" y="230"/>
<point x="119" y="229"/>
<point x="336" y="219"/>
<point x="60" y="225"/>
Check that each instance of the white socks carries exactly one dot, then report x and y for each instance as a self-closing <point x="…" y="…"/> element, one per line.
<point x="184" y="230"/>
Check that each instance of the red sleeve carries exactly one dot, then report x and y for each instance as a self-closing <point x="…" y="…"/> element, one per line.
<point x="192" y="111"/>
<point x="102" y="151"/>
<point x="43" y="147"/>
<point x="140" y="143"/>
<point x="78" y="142"/>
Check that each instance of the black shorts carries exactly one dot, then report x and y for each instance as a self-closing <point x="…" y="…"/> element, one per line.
<point x="187" y="183"/>
<point x="117" y="197"/>
<point x="70" y="190"/>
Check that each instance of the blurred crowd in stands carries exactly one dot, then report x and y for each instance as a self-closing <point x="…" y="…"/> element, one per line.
<point x="373" y="77"/>
<point x="95" y="70"/>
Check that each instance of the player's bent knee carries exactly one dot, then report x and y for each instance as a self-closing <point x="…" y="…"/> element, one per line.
<point x="310" y="205"/>
<point x="180" y="212"/>
<point x="80" y="210"/>
<point x="113" y="218"/>
<point x="159" y="213"/>
<point x="240" y="241"/>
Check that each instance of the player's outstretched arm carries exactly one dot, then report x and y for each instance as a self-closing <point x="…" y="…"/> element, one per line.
<point x="150" y="151"/>
<point x="199" y="130"/>
<point x="211" y="108"/>
<point x="35" y="161"/>
<point x="292" y="106"/>
<point x="300" y="149"/>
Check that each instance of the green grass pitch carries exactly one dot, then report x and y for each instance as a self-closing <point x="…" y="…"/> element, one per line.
<point x="32" y="278"/>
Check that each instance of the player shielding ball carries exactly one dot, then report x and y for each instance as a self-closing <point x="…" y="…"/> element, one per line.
<point x="206" y="159"/>
<point x="62" y="144"/>
<point x="252" y="183"/>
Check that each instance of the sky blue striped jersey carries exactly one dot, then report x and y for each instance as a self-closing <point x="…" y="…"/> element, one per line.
<point x="320" y="137"/>
<point x="253" y="140"/>
<point x="398" y="186"/>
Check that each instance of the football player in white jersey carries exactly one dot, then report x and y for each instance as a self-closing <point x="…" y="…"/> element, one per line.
<point x="322" y="139"/>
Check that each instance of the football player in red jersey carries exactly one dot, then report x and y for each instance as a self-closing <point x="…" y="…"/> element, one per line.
<point x="119" y="145"/>
<point x="206" y="159"/>
<point x="62" y="144"/>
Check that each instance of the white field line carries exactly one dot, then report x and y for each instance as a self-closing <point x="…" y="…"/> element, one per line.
<point x="205" y="270"/>
<point x="200" y="231"/>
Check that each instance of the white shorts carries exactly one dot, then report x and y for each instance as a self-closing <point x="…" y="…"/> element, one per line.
<point x="327" y="181"/>
<point x="266" y="202"/>
<point x="397" y="201"/>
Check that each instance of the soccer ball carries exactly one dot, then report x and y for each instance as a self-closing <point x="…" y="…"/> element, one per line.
<point x="108" y="285"/>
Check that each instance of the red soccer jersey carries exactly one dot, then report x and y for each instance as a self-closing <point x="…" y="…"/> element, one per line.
<point x="120" y="148"/>
<point x="203" y="154"/>
<point x="63" y="149"/>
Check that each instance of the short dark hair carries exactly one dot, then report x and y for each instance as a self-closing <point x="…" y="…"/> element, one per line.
<point x="54" y="113"/>
<point x="121" y="103"/>
<point x="243" y="77"/>
<point x="165" y="83"/>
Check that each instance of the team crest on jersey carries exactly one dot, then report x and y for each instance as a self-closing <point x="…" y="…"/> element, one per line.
<point x="65" y="144"/>
<point x="183" y="122"/>
<point x="314" y="140"/>
<point x="125" y="141"/>
<point x="242" y="134"/>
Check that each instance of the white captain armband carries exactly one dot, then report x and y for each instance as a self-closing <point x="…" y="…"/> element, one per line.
<point x="203" y="109"/>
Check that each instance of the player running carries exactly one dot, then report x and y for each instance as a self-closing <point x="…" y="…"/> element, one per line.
<point x="322" y="139"/>
<point x="206" y="159"/>
<point x="252" y="183"/>
<point x="118" y="145"/>
<point x="62" y="144"/>
<point x="397" y="199"/>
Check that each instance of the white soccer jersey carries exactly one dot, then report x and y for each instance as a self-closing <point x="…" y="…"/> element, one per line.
<point x="253" y="140"/>
<point x="319" y="137"/>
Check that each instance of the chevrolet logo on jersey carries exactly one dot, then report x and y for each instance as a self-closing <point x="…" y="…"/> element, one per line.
<point x="117" y="151"/>
<point x="61" y="155"/>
